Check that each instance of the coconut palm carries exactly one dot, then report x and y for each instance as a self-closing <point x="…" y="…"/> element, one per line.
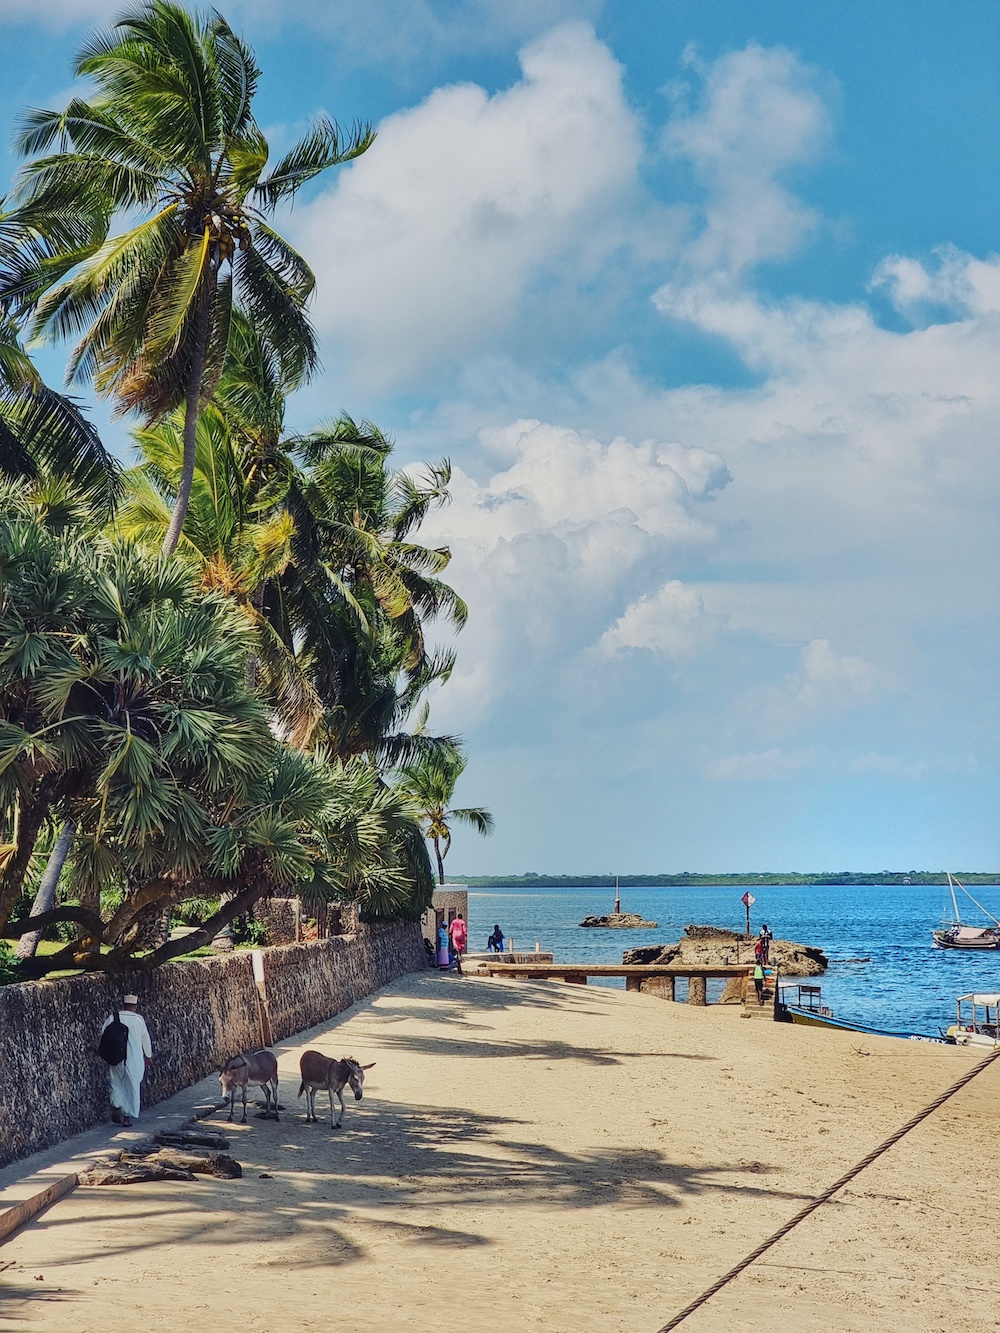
<point x="169" y="135"/>
<point x="431" y="784"/>
<point x="44" y="432"/>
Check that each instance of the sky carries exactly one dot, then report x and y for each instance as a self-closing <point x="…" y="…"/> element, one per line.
<point x="702" y="300"/>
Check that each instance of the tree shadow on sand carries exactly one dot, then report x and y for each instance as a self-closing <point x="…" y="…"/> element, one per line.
<point x="330" y="1193"/>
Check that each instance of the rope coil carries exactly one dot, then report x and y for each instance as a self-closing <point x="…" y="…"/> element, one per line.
<point x="828" y="1194"/>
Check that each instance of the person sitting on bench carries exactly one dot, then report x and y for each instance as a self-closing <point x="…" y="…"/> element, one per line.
<point x="495" y="942"/>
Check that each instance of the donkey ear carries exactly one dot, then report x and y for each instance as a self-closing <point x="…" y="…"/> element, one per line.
<point x="371" y="1066"/>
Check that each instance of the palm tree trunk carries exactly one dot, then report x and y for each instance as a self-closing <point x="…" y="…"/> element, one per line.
<point x="46" y="896"/>
<point x="191" y="410"/>
<point x="440" y="861"/>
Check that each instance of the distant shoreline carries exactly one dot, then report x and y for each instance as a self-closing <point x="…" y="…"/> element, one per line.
<point x="843" y="878"/>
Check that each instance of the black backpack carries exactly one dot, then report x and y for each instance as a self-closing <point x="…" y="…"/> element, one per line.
<point x="113" y="1045"/>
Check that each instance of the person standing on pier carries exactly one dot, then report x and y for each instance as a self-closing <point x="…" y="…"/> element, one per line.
<point x="758" y="981"/>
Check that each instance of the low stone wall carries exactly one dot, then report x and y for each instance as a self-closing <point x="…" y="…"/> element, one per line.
<point x="279" y="915"/>
<point x="199" y="1013"/>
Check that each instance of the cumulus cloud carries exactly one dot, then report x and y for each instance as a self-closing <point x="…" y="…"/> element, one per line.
<point x="957" y="282"/>
<point x="671" y="622"/>
<point x="758" y="116"/>
<point x="425" y="246"/>
<point x="824" y="680"/>
<point x="553" y="542"/>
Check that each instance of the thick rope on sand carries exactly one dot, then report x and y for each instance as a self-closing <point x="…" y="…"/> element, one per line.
<point x="828" y="1194"/>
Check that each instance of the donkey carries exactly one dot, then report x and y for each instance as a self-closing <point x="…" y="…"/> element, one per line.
<point x="260" y="1067"/>
<point x="319" y="1071"/>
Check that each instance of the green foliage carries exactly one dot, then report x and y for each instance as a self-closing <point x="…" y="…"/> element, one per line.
<point x="10" y="968"/>
<point x="430" y="783"/>
<point x="248" y="930"/>
<point x="195" y="911"/>
<point x="167" y="136"/>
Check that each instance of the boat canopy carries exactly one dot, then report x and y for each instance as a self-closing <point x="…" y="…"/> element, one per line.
<point x="972" y="932"/>
<point x="991" y="1000"/>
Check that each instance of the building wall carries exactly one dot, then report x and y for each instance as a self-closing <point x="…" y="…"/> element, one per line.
<point x="445" y="905"/>
<point x="199" y="1014"/>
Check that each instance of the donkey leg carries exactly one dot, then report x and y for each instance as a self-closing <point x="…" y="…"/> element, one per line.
<point x="340" y="1117"/>
<point x="232" y="1101"/>
<point x="244" y="1120"/>
<point x="274" y="1087"/>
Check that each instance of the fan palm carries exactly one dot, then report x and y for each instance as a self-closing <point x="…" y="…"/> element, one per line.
<point x="431" y="785"/>
<point x="169" y="136"/>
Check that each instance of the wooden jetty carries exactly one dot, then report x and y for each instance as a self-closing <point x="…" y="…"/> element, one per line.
<point x="652" y="978"/>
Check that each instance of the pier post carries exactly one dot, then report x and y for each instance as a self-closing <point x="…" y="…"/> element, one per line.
<point x="697" y="991"/>
<point x="661" y="987"/>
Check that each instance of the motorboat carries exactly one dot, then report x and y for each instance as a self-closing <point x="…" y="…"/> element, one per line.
<point x="804" y="1005"/>
<point x="957" y="935"/>
<point x="978" y="1021"/>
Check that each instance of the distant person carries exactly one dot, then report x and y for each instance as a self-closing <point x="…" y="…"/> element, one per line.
<point x="429" y="951"/>
<point x="758" y="982"/>
<point x="444" y="954"/>
<point x="495" y="942"/>
<point x="126" y="1075"/>
<point x="459" y="933"/>
<point x="765" y="943"/>
<point x="758" y="951"/>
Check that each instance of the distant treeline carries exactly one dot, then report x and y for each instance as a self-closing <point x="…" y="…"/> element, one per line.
<point x="843" y="877"/>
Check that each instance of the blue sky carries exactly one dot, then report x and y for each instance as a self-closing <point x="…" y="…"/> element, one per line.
<point x="703" y="302"/>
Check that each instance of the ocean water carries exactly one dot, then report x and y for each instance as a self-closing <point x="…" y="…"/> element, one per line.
<point x="906" y="984"/>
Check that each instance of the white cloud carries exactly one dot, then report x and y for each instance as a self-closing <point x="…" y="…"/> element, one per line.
<point x="671" y="622"/>
<point x="958" y="282"/>
<point x="759" y="116"/>
<point x="425" y="246"/>
<point x="774" y="765"/>
<point x="824" y="680"/>
<point x="549" y="548"/>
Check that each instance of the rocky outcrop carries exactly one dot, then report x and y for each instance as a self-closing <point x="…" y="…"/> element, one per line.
<point x="713" y="946"/>
<point x="619" y="921"/>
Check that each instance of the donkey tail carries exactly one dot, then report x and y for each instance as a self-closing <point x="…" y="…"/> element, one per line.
<point x="302" y="1088"/>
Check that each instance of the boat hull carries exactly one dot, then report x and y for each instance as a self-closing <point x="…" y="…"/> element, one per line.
<point x="808" y="1018"/>
<point x="944" y="941"/>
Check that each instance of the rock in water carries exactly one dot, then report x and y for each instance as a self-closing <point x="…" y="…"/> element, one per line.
<point x="712" y="946"/>
<point x="619" y="921"/>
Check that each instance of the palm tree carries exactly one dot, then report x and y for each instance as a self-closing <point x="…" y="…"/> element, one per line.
<point x="170" y="134"/>
<point x="44" y="432"/>
<point x="431" y="784"/>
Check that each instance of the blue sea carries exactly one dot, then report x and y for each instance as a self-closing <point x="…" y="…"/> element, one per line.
<point x="907" y="984"/>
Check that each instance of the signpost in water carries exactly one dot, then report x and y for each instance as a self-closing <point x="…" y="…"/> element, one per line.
<point x="748" y="901"/>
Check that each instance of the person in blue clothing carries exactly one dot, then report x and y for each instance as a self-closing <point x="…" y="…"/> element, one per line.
<point x="495" y="942"/>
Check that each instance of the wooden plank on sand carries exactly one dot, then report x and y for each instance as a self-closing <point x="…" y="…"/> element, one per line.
<point x="15" y="1216"/>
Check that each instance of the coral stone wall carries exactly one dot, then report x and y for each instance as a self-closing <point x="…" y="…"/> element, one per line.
<point x="199" y="1013"/>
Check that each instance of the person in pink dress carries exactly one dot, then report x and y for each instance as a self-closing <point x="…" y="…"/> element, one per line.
<point x="459" y="933"/>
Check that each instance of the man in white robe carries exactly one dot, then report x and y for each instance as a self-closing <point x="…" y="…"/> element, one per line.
<point x="126" y="1077"/>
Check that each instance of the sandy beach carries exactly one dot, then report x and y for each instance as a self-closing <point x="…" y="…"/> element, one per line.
<point x="537" y="1155"/>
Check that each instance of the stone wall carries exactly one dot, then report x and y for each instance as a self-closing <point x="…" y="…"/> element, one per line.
<point x="279" y="915"/>
<point x="199" y="1013"/>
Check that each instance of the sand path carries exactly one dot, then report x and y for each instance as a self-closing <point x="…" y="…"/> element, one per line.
<point x="536" y="1155"/>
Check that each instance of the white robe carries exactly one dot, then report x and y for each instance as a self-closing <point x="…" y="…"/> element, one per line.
<point x="126" y="1077"/>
